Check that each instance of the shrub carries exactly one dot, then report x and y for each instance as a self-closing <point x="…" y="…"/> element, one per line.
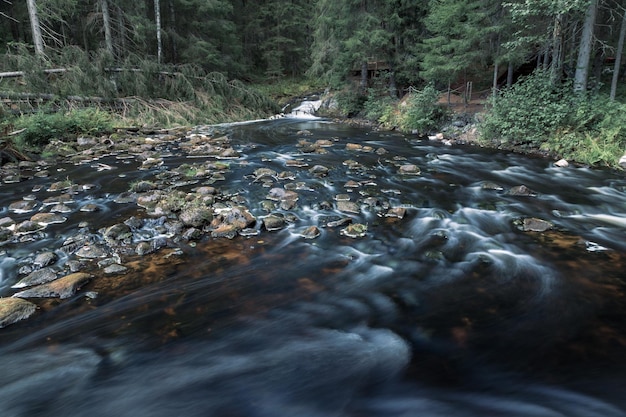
<point x="528" y="111"/>
<point x="39" y="128"/>
<point x="421" y="111"/>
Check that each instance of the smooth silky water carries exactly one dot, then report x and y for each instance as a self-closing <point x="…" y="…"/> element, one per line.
<point x="450" y="311"/>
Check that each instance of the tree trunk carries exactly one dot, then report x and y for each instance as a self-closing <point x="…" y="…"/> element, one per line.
<point x="495" y="80"/>
<point x="157" y="18"/>
<point x="106" y="22"/>
<point x="584" y="49"/>
<point x="618" y="57"/>
<point x="509" y="75"/>
<point x="35" y="27"/>
<point x="173" y="29"/>
<point x="363" y="83"/>
<point x="557" y="49"/>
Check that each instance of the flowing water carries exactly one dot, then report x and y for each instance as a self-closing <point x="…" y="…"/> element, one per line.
<point x="451" y="310"/>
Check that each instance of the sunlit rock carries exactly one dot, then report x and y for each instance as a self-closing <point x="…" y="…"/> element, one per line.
<point x="561" y="163"/>
<point x="63" y="287"/>
<point x="622" y="161"/>
<point x="15" y="309"/>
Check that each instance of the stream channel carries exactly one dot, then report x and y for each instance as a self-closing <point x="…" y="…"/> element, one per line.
<point x="472" y="282"/>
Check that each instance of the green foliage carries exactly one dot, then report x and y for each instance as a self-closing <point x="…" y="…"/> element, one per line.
<point x="528" y="111"/>
<point x="377" y="105"/>
<point x="350" y="102"/>
<point x="39" y="128"/>
<point x="583" y="128"/>
<point x="421" y="111"/>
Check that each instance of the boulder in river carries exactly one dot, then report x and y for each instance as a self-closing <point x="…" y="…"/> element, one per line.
<point x="15" y="309"/>
<point x="39" y="276"/>
<point x="63" y="287"/>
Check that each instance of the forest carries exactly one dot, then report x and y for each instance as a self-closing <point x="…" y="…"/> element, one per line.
<point x="550" y="71"/>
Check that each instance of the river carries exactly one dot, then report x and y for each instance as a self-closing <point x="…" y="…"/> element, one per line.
<point x="447" y="305"/>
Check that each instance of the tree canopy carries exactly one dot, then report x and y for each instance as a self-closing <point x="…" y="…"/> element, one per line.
<point x="441" y="41"/>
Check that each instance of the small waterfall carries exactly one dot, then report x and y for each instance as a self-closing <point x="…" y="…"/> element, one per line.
<point x="303" y="108"/>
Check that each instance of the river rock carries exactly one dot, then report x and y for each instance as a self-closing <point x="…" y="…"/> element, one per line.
<point x="535" y="225"/>
<point x="15" y="309"/>
<point x="348" y="207"/>
<point x="89" y="208"/>
<point x="319" y="170"/>
<point x="45" y="258"/>
<point x="91" y="252"/>
<point x="561" y="163"/>
<point x="40" y="276"/>
<point x="27" y="227"/>
<point x="310" y="232"/>
<point x="622" y="161"/>
<point x="45" y="219"/>
<point x="6" y="222"/>
<point x="60" y="186"/>
<point x="296" y="163"/>
<point x="274" y="222"/>
<point x="23" y="206"/>
<point x="115" y="269"/>
<point x="118" y="233"/>
<point x="409" y="169"/>
<point x="63" y="287"/>
<point x="397" y="212"/>
<point x="521" y="191"/>
<point x="354" y="230"/>
<point x="195" y="215"/>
